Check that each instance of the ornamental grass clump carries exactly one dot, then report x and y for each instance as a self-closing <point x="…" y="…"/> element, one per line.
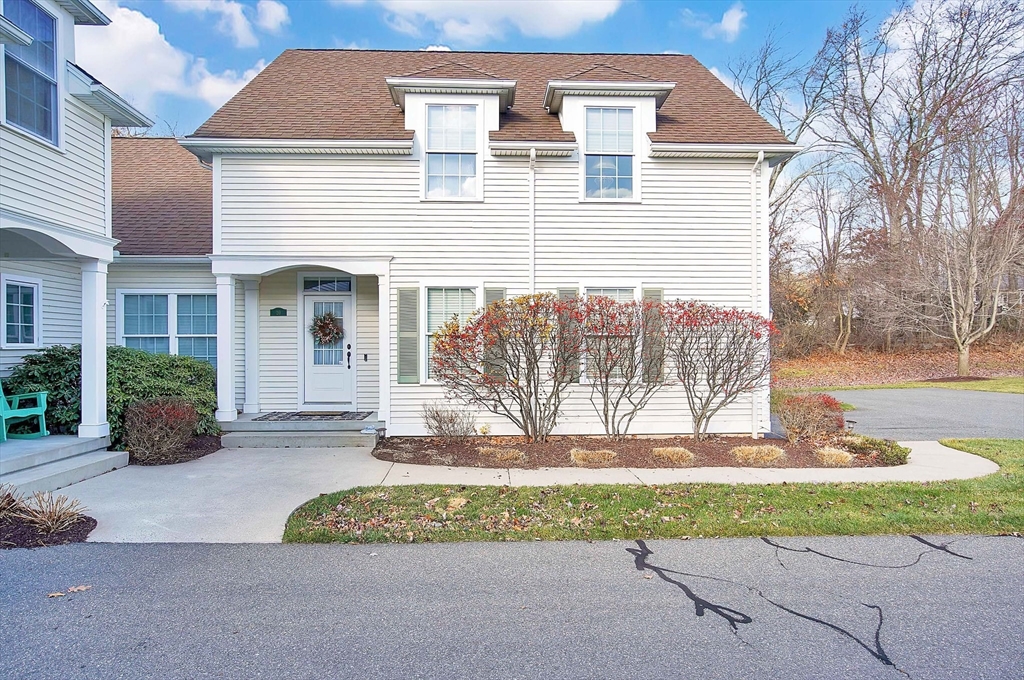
<point x="764" y="455"/>
<point x="677" y="455"/>
<point x="11" y="501"/>
<point x="50" y="514"/>
<point x="502" y="455"/>
<point x="830" y="456"/>
<point x="592" y="458"/>
<point x="886" y="451"/>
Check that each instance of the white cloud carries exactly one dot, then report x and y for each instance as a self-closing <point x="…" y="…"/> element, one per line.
<point x="217" y="88"/>
<point x="342" y="44"/>
<point x="436" y="48"/>
<point x="472" y="22"/>
<point x="271" y="15"/>
<point x="133" y="57"/>
<point x="729" y="81"/>
<point x="236" y="20"/>
<point x="728" y="29"/>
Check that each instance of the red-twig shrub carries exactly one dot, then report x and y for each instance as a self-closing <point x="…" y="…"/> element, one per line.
<point x="625" y="356"/>
<point x="810" y="415"/>
<point x="158" y="427"/>
<point x="718" y="354"/>
<point x="516" y="358"/>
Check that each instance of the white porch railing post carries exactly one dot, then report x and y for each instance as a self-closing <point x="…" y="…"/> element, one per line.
<point x="94" y="350"/>
<point x="384" y="331"/>
<point x="252" y="346"/>
<point x="225" y="349"/>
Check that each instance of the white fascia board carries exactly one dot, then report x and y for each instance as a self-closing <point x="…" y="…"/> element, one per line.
<point x="104" y="100"/>
<point x="10" y="34"/>
<point x="676" y="150"/>
<point x="160" y="259"/>
<point x="84" y="12"/>
<point x="557" y="89"/>
<point x="505" y="90"/>
<point x="206" y="147"/>
<point x="550" y="149"/>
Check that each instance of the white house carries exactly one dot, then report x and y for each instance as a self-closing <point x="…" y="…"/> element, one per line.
<point x="55" y="192"/>
<point x="399" y="188"/>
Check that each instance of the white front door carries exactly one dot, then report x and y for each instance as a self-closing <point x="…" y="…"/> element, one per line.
<point x="329" y="369"/>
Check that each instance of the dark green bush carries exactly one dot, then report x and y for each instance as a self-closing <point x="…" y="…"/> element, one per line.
<point x="887" y="451"/>
<point x="132" y="376"/>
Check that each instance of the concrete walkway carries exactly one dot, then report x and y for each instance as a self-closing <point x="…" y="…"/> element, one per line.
<point x="246" y="495"/>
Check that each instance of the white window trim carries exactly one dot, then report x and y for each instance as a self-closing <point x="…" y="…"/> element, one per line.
<point x="172" y="314"/>
<point x="636" y="154"/>
<point x="584" y="286"/>
<point x="60" y="76"/>
<point x="37" y="325"/>
<point x="480" y="145"/>
<point x="478" y="289"/>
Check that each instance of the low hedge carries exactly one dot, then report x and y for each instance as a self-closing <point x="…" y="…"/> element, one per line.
<point x="132" y="376"/>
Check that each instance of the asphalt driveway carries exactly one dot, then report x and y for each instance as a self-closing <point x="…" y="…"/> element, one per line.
<point x="872" y="607"/>
<point x="931" y="413"/>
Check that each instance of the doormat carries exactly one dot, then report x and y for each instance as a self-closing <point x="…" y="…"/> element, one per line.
<point x="313" y="415"/>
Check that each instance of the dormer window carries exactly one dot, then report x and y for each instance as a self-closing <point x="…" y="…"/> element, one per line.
<point x="451" y="151"/>
<point x="609" y="153"/>
<point x="30" y="72"/>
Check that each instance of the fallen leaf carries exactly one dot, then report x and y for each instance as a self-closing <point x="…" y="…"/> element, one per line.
<point x="648" y="576"/>
<point x="56" y="595"/>
<point x="78" y="589"/>
<point x="456" y="503"/>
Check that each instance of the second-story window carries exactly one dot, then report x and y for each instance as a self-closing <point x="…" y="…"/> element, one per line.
<point x="451" y="151"/>
<point x="609" y="153"/>
<point x="30" y="71"/>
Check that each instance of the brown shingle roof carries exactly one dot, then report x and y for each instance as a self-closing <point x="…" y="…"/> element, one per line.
<point x="341" y="94"/>
<point x="163" y="198"/>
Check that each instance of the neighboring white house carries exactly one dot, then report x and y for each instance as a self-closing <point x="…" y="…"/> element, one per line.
<point x="55" y="192"/>
<point x="399" y="188"/>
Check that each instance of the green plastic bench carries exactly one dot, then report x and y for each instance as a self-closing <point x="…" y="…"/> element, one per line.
<point x="12" y="412"/>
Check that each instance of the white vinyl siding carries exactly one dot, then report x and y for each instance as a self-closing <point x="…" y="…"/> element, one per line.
<point x="690" y="238"/>
<point x="67" y="189"/>
<point x="60" y="297"/>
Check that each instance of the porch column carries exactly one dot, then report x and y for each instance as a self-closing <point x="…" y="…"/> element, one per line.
<point x="252" y="346"/>
<point x="94" y="350"/>
<point x="225" y="349"/>
<point x="384" y="331"/>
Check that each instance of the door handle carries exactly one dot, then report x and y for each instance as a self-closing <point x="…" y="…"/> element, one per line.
<point x="348" y="356"/>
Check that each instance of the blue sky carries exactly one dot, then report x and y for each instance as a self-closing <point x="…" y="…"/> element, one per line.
<point x="180" y="59"/>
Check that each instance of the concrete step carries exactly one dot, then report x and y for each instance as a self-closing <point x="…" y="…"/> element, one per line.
<point x="32" y="452"/>
<point x="60" y="473"/>
<point x="296" y="440"/>
<point x="299" y="425"/>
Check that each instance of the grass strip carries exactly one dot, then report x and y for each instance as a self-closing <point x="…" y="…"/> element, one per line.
<point x="445" y="513"/>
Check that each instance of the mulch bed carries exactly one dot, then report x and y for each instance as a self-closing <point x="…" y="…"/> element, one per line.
<point x="632" y="452"/>
<point x="202" y="445"/>
<point x="16" y="533"/>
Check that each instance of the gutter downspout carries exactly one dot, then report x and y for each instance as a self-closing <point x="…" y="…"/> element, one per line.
<point x="753" y="273"/>
<point x="533" y="221"/>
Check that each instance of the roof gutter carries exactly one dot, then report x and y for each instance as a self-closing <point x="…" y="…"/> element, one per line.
<point x="773" y="152"/>
<point x="84" y="12"/>
<point x="504" y="89"/>
<point x="205" y="147"/>
<point x="10" y="34"/>
<point x="160" y="259"/>
<point x="557" y="89"/>
<point x="533" y="149"/>
<point x="102" y="99"/>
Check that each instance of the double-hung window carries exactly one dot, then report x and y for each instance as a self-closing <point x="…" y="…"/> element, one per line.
<point x="21" y="315"/>
<point x="451" y="152"/>
<point x="163" y="323"/>
<point x="30" y="71"/>
<point x="442" y="305"/>
<point x="601" y="345"/>
<point x="609" y="153"/>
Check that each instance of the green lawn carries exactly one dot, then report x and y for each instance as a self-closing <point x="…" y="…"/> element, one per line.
<point x="1007" y="385"/>
<point x="438" y="513"/>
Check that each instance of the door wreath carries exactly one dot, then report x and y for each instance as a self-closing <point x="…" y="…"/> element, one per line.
<point x="326" y="328"/>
